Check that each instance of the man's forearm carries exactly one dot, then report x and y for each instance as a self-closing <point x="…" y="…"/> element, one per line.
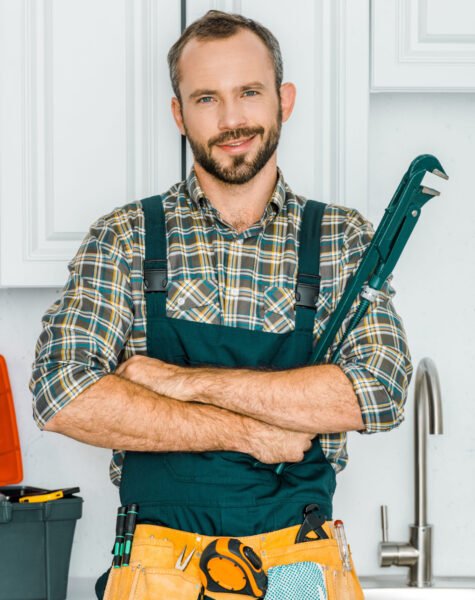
<point x="117" y="413"/>
<point x="315" y="399"/>
<point x="318" y="399"/>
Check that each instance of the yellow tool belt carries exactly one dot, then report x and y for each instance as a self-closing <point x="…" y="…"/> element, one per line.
<point x="151" y="574"/>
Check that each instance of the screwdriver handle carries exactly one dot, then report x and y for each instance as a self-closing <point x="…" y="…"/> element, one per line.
<point x="119" y="536"/>
<point x="130" y="521"/>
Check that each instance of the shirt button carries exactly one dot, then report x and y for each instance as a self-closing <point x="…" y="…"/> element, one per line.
<point x="181" y="301"/>
<point x="239" y="241"/>
<point x="234" y="292"/>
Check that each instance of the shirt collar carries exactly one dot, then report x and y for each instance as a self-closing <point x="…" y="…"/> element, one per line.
<point x="194" y="191"/>
<point x="279" y="194"/>
<point x="198" y="197"/>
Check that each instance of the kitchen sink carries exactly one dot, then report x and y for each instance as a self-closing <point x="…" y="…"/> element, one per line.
<point x="395" y="588"/>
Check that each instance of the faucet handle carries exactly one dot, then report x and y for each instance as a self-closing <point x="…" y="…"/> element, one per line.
<point x="395" y="553"/>
<point x="384" y="521"/>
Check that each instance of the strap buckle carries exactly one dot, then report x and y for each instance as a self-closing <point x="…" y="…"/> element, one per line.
<point x="155" y="276"/>
<point x="306" y="294"/>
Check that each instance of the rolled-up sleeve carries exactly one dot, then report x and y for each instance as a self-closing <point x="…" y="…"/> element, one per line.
<point x="84" y="331"/>
<point x="375" y="356"/>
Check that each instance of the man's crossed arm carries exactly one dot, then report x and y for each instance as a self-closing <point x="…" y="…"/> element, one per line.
<point x="149" y="405"/>
<point x="314" y="399"/>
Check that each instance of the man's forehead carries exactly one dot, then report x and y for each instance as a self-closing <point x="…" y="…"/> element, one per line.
<point x="240" y="58"/>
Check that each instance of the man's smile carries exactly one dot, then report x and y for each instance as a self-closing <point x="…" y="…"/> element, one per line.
<point x="236" y="146"/>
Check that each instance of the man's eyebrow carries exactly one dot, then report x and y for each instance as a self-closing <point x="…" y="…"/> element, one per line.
<point x="197" y="93"/>
<point x="254" y="85"/>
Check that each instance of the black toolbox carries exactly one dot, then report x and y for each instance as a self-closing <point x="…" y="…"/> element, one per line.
<point x="35" y="544"/>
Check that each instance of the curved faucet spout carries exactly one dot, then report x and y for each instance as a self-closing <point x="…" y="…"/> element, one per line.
<point x="417" y="554"/>
<point x="427" y="395"/>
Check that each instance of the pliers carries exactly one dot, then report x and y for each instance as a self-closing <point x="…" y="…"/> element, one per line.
<point x="182" y="564"/>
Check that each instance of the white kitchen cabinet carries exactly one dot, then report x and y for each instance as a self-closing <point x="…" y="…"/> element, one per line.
<point x="423" y="45"/>
<point x="86" y="123"/>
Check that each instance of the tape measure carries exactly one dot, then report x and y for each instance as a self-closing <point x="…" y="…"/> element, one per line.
<point x="227" y="565"/>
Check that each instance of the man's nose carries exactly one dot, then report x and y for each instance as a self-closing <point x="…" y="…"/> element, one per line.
<point x="231" y="115"/>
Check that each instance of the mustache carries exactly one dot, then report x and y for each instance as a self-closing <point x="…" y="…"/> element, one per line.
<point x="235" y="134"/>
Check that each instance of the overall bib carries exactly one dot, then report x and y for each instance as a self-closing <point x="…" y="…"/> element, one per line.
<point x="226" y="493"/>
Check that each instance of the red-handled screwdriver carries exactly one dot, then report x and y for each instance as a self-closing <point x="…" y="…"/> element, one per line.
<point x="342" y="545"/>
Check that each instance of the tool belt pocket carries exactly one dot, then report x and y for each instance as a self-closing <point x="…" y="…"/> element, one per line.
<point x="122" y="582"/>
<point x="153" y="552"/>
<point x="137" y="582"/>
<point x="340" y="585"/>
<point x="158" y="578"/>
<point x="320" y="551"/>
<point x="155" y="582"/>
<point x="150" y="576"/>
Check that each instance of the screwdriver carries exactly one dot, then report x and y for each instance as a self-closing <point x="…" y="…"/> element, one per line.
<point x="119" y="536"/>
<point x="130" y="520"/>
<point x="342" y="545"/>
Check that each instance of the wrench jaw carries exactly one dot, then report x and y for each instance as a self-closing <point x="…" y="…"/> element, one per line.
<point x="417" y="170"/>
<point x="427" y="162"/>
<point x="430" y="191"/>
<point x="440" y="173"/>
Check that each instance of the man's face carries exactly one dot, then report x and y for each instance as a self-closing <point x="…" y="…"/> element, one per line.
<point x="230" y="109"/>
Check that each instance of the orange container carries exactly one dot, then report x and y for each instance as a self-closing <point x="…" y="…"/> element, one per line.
<point x="11" y="470"/>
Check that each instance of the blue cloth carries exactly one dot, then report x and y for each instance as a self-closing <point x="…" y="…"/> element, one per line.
<point x="297" y="581"/>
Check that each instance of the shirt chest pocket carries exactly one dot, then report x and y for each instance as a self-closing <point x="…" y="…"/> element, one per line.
<point x="277" y="309"/>
<point x="194" y="300"/>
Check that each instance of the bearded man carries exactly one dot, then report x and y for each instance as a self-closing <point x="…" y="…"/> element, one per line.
<point x="183" y="337"/>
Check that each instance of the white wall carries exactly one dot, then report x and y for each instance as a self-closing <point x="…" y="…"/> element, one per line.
<point x="436" y="297"/>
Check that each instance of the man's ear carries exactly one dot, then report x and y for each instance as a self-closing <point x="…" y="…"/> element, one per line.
<point x="287" y="99"/>
<point x="176" y="111"/>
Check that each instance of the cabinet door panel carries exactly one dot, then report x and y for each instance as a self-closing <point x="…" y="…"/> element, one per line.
<point x="423" y="45"/>
<point x="86" y="121"/>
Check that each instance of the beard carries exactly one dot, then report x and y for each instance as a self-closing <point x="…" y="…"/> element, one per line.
<point x="241" y="169"/>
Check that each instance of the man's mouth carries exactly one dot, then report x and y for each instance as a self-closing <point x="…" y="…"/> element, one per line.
<point x="235" y="146"/>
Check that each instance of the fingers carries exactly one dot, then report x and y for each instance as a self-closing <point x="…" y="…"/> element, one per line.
<point x="120" y="369"/>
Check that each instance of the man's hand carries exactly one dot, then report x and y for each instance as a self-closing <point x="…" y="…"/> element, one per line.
<point x="271" y="444"/>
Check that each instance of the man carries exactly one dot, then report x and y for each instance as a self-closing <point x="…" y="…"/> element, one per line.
<point x="183" y="334"/>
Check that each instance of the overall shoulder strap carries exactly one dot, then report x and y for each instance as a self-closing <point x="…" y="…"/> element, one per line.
<point x="155" y="263"/>
<point x="308" y="275"/>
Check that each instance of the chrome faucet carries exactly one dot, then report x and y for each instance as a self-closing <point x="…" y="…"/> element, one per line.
<point x="417" y="553"/>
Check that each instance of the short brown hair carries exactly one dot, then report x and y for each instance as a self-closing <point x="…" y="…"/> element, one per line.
<point x="216" y="24"/>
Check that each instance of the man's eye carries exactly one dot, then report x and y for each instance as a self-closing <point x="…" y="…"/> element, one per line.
<point x="205" y="99"/>
<point x="250" y="93"/>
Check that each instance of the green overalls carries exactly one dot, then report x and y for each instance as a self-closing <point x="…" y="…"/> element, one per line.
<point x="226" y="493"/>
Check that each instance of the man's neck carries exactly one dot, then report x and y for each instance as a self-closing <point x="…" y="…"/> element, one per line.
<point x="240" y="205"/>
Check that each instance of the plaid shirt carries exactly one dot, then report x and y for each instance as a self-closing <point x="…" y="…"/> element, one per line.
<point x="217" y="276"/>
